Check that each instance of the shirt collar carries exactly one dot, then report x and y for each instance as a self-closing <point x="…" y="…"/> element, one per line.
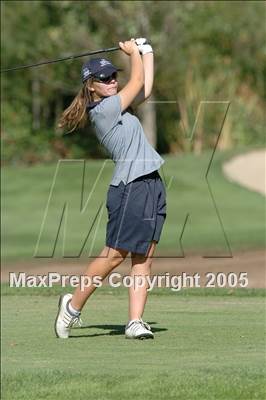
<point x="94" y="103"/>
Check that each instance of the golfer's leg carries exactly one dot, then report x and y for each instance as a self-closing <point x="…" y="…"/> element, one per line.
<point x="141" y="266"/>
<point x="101" y="266"/>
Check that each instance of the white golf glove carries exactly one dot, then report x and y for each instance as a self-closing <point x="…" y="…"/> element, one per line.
<point x="143" y="46"/>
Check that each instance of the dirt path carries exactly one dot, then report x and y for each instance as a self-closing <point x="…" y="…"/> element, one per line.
<point x="251" y="262"/>
<point x="248" y="170"/>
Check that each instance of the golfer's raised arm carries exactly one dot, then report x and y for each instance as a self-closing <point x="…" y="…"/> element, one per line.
<point x="148" y="66"/>
<point x="136" y="81"/>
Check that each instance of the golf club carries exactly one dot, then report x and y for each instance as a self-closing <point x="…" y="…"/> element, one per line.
<point x="72" y="57"/>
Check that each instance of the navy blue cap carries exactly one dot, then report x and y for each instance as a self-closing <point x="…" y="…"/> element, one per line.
<point x="98" y="67"/>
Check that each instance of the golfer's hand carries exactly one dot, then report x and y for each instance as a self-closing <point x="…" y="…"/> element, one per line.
<point x="129" y="47"/>
<point x="143" y="47"/>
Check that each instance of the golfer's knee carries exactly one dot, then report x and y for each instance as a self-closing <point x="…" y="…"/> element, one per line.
<point x="114" y="262"/>
<point x="116" y="257"/>
<point x="144" y="268"/>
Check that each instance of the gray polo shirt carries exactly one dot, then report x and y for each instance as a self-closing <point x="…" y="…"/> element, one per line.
<point x="124" y="139"/>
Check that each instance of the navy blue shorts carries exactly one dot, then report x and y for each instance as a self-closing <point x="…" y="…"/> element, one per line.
<point x="136" y="213"/>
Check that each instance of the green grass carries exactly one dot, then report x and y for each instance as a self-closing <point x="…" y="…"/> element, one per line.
<point x="206" y="347"/>
<point x="26" y="191"/>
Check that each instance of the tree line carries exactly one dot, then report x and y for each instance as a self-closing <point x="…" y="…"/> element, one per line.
<point x="205" y="51"/>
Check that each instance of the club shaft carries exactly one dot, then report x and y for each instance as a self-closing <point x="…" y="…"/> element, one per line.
<point x="61" y="59"/>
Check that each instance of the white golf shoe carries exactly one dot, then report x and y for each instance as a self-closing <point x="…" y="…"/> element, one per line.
<point x="138" y="329"/>
<point x="65" y="320"/>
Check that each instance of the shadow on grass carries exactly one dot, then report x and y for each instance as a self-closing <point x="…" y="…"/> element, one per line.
<point x="113" y="330"/>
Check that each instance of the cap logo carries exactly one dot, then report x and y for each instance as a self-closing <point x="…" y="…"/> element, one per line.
<point x="104" y="62"/>
<point x="86" y="72"/>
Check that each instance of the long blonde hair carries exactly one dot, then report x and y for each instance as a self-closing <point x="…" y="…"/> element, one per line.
<point x="75" y="116"/>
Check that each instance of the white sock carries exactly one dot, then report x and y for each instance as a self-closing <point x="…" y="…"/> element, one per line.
<point x="72" y="310"/>
<point x="133" y="320"/>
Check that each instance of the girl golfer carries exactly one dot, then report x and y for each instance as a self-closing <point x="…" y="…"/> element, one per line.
<point x="136" y="202"/>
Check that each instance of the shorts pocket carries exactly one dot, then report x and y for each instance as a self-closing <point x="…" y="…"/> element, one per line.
<point x="113" y="201"/>
<point x="161" y="206"/>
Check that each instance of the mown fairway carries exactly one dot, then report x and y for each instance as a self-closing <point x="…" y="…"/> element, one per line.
<point x="26" y="192"/>
<point x="206" y="347"/>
